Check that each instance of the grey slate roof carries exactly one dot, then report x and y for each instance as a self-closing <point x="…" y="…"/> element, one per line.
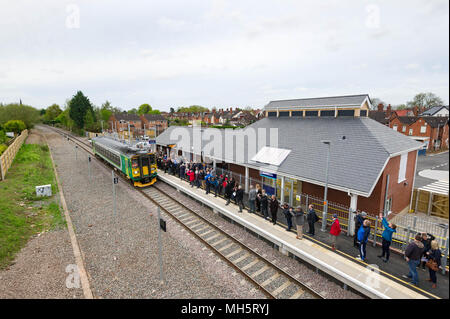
<point x="433" y="110"/>
<point x="127" y="117"/>
<point x="355" y="164"/>
<point x="349" y="100"/>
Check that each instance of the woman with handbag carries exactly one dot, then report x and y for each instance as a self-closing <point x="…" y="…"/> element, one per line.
<point x="434" y="261"/>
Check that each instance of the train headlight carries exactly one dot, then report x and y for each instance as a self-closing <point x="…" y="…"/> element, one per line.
<point x="136" y="172"/>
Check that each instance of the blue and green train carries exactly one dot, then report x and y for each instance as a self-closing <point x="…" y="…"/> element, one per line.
<point x="138" y="165"/>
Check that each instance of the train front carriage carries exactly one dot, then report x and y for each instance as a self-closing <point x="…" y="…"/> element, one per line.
<point x="136" y="163"/>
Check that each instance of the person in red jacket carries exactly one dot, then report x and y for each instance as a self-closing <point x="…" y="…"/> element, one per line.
<point x="191" y="175"/>
<point x="334" y="231"/>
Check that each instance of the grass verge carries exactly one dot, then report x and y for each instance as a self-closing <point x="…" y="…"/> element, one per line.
<point x="22" y="214"/>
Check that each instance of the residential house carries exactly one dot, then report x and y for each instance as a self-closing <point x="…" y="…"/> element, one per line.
<point x="120" y="121"/>
<point x="436" y="111"/>
<point x="154" y="121"/>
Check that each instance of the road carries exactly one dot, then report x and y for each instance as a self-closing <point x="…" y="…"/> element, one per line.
<point x="435" y="162"/>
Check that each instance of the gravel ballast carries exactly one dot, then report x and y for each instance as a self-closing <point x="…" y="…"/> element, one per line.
<point x="121" y="252"/>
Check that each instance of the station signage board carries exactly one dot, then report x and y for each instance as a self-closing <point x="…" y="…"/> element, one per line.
<point x="268" y="175"/>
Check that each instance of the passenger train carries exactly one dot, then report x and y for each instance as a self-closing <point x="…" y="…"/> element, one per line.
<point x="137" y="163"/>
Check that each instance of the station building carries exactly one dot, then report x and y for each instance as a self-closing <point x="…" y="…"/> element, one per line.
<point x="371" y="167"/>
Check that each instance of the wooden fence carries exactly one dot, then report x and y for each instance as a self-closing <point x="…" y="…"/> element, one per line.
<point x="8" y="156"/>
<point x="430" y="203"/>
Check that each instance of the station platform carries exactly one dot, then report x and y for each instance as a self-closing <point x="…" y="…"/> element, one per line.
<point x="367" y="279"/>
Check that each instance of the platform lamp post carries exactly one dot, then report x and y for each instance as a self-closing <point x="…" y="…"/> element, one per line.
<point x="325" y="201"/>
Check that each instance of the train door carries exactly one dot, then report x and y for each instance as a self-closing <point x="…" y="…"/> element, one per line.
<point x="145" y="164"/>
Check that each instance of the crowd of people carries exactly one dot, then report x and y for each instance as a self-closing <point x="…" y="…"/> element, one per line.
<point x="422" y="252"/>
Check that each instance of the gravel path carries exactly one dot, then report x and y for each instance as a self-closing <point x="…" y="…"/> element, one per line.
<point x="121" y="254"/>
<point x="39" y="270"/>
<point x="318" y="282"/>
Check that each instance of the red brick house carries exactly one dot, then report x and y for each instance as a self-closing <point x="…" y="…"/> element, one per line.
<point x="151" y="121"/>
<point x="119" y="122"/>
<point x="431" y="130"/>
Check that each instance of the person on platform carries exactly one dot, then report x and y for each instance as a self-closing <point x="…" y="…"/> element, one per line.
<point x="240" y="198"/>
<point x="359" y="220"/>
<point x="273" y="206"/>
<point x="191" y="175"/>
<point x="363" y="237"/>
<point x="311" y="218"/>
<point x="229" y="191"/>
<point x="335" y="231"/>
<point x="434" y="254"/>
<point x="389" y="230"/>
<point x="299" y="215"/>
<point x="252" y="199"/>
<point x="413" y="253"/>
<point x="288" y="213"/>
<point x="263" y="200"/>
<point x="426" y="241"/>
<point x="258" y="195"/>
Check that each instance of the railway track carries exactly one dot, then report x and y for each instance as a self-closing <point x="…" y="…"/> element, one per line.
<point x="266" y="276"/>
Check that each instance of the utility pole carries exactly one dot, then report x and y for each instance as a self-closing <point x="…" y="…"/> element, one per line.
<point x="325" y="201"/>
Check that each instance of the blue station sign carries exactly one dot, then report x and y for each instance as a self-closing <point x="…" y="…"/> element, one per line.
<point x="268" y="175"/>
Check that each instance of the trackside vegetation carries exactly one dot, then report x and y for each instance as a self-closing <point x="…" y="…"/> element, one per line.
<point x="22" y="214"/>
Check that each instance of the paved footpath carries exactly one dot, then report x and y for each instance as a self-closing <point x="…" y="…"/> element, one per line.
<point x="121" y="253"/>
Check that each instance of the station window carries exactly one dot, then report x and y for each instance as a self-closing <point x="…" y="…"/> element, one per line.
<point x="283" y="113"/>
<point x="272" y="114"/>
<point x="311" y="113"/>
<point x="327" y="113"/>
<point x="346" y="113"/>
<point x="297" y="113"/>
<point x="363" y="113"/>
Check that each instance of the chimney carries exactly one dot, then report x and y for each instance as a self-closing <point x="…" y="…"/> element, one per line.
<point x="416" y="110"/>
<point x="231" y="109"/>
<point x="388" y="111"/>
<point x="380" y="107"/>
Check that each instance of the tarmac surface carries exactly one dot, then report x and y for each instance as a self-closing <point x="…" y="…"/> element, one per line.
<point x="431" y="162"/>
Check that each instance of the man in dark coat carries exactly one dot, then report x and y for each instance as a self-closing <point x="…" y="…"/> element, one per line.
<point x="229" y="191"/>
<point x="263" y="204"/>
<point x="273" y="205"/>
<point x="240" y="198"/>
<point x="311" y="218"/>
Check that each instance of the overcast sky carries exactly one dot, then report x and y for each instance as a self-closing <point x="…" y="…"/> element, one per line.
<point x="221" y="53"/>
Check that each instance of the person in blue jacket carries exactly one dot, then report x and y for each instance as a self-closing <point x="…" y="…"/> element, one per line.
<point x="363" y="237"/>
<point x="389" y="230"/>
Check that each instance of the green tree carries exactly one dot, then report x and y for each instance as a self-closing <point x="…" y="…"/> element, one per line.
<point x="52" y="112"/>
<point x="401" y="107"/>
<point x="425" y="100"/>
<point x="79" y="105"/>
<point x="154" y="112"/>
<point x="172" y="110"/>
<point x="144" y="109"/>
<point x="25" y="113"/>
<point x="193" y="109"/>
<point x="133" y="111"/>
<point x="65" y="119"/>
<point x="15" y="126"/>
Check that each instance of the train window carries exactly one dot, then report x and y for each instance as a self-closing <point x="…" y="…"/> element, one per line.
<point x="152" y="158"/>
<point x="134" y="163"/>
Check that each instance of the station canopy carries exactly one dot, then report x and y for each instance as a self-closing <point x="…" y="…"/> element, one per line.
<point x="271" y="155"/>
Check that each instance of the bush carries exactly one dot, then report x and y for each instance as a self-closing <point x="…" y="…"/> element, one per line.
<point x="15" y="126"/>
<point x="3" y="148"/>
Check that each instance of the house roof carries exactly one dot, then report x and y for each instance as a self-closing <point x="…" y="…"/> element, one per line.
<point x="402" y="112"/>
<point x="408" y="120"/>
<point x="333" y="101"/>
<point x="154" y="117"/>
<point x="432" y="111"/>
<point x="356" y="162"/>
<point x="379" y="116"/>
<point x="435" y="121"/>
<point x="126" y="117"/>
